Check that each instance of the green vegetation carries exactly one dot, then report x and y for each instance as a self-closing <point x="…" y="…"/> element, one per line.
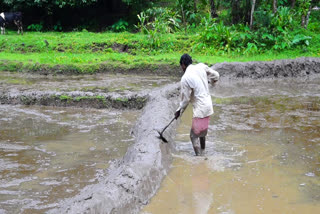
<point x="210" y="31"/>
<point x="65" y="98"/>
<point x="90" y="52"/>
<point x="68" y="98"/>
<point x="121" y="99"/>
<point x="98" y="97"/>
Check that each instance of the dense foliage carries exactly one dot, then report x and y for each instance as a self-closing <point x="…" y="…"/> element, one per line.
<point x="217" y="27"/>
<point x="18" y="4"/>
<point x="275" y="25"/>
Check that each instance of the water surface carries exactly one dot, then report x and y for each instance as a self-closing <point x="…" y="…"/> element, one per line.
<point x="262" y="156"/>
<point x="95" y="83"/>
<point x="49" y="153"/>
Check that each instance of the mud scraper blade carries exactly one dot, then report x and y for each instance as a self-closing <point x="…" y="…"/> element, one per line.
<point x="161" y="133"/>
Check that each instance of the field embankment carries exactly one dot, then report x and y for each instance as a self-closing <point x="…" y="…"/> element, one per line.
<point x="86" y="53"/>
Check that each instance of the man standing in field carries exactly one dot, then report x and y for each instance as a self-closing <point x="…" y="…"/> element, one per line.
<point x="195" y="89"/>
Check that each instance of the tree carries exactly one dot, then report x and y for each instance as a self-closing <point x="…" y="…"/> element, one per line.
<point x="213" y="11"/>
<point x="252" y="11"/>
<point x="235" y="11"/>
<point x="305" y="9"/>
<point x="18" y="4"/>
<point x="308" y="16"/>
<point x="312" y="3"/>
<point x="51" y="14"/>
<point x="138" y="5"/>
<point x="275" y="6"/>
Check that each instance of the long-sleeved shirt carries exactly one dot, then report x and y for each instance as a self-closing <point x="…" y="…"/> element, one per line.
<point x="195" y="89"/>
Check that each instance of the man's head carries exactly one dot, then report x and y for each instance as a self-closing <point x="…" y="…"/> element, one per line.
<point x="185" y="61"/>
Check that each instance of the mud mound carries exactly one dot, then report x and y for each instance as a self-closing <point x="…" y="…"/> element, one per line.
<point x="132" y="181"/>
<point x="280" y="68"/>
<point x="75" y="99"/>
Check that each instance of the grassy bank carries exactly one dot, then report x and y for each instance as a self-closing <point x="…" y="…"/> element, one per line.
<point x="85" y="52"/>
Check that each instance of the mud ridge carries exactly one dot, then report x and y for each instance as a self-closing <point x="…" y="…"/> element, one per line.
<point x="80" y="69"/>
<point x="76" y="99"/>
<point x="300" y="67"/>
<point x="132" y="181"/>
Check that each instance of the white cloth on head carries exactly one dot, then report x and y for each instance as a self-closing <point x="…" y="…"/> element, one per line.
<point x="195" y="89"/>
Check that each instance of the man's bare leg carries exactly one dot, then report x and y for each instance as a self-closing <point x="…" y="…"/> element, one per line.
<point x="203" y="142"/>
<point x="203" y="145"/>
<point x="195" y="142"/>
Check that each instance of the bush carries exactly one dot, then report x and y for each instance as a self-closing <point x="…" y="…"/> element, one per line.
<point x="218" y="35"/>
<point x="163" y="20"/>
<point x="156" y="21"/>
<point x="120" y="26"/>
<point x="270" y="32"/>
<point x="36" y="27"/>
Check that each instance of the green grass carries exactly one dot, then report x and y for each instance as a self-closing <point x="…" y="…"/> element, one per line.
<point x="65" y="97"/>
<point x="85" y="52"/>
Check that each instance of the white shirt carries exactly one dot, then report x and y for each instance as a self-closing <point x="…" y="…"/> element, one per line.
<point x="195" y="89"/>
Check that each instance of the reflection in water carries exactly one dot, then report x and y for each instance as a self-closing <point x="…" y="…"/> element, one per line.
<point x="48" y="153"/>
<point x="263" y="154"/>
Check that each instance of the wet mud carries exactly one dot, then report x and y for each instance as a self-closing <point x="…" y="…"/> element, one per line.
<point x="95" y="91"/>
<point x="132" y="180"/>
<point x="84" y="100"/>
<point x="300" y="67"/>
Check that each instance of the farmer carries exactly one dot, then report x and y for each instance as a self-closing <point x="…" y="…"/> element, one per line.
<point x="195" y="89"/>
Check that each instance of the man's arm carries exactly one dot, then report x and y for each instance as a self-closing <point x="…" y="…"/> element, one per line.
<point x="213" y="76"/>
<point x="185" y="97"/>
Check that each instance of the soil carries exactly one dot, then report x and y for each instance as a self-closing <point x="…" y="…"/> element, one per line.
<point x="83" y="100"/>
<point x="300" y="67"/>
<point x="132" y="181"/>
<point x="98" y="47"/>
<point x="87" y="91"/>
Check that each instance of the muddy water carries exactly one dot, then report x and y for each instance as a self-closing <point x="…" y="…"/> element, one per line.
<point x="262" y="156"/>
<point x="96" y="83"/>
<point x="48" y="154"/>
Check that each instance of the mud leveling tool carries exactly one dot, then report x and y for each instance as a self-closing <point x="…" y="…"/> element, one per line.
<point x="161" y="133"/>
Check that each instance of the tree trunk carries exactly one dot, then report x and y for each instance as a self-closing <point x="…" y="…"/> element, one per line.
<point x="308" y="16"/>
<point x="275" y="6"/>
<point x="235" y="13"/>
<point x="306" y="13"/>
<point x="303" y="20"/>
<point x="213" y="11"/>
<point x="184" y="19"/>
<point x="252" y="11"/>
<point x="195" y="5"/>
<point x="293" y="4"/>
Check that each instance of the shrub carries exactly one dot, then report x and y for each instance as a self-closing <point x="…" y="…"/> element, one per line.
<point x="120" y="26"/>
<point x="36" y="27"/>
<point x="159" y="19"/>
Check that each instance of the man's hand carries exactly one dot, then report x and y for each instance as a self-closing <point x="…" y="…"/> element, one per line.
<point x="177" y="114"/>
<point x="213" y="82"/>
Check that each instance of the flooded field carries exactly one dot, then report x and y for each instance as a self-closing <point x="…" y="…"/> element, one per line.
<point x="262" y="155"/>
<point x="50" y="153"/>
<point x="96" y="83"/>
